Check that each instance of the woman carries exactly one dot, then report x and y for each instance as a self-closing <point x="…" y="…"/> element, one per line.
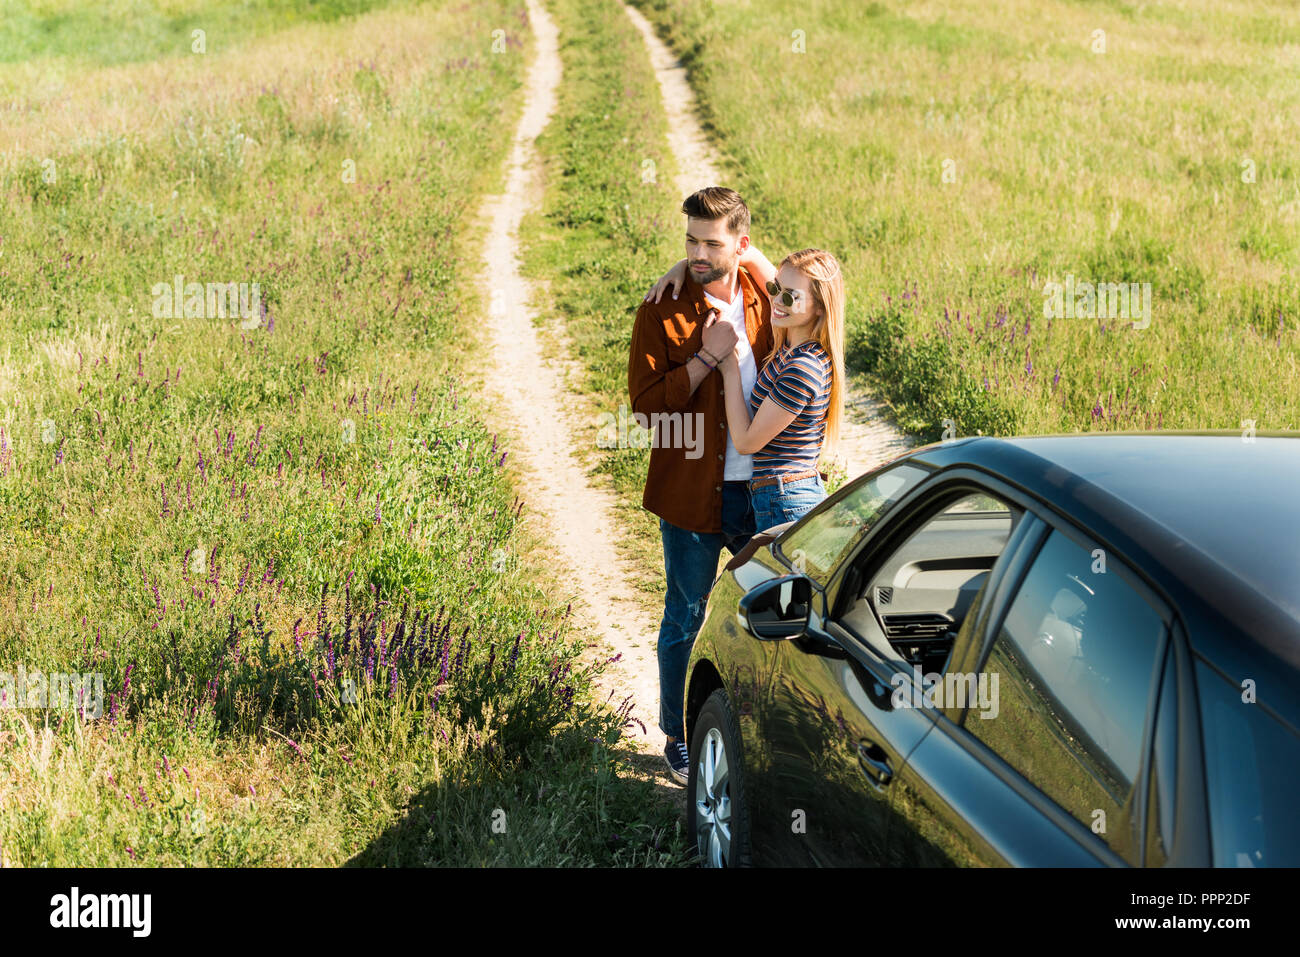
<point x="797" y="403"/>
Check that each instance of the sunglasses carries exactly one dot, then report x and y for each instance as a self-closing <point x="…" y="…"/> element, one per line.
<point x="792" y="299"/>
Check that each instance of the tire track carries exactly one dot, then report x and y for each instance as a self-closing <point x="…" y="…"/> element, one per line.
<point x="534" y="408"/>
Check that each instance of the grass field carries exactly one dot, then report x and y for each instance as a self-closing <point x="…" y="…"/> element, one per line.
<point x="960" y="155"/>
<point x="282" y="533"/>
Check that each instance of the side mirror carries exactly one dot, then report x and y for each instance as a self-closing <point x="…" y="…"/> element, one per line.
<point x="777" y="609"/>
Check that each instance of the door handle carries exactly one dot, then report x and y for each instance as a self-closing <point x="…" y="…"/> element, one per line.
<point x="874" y="763"/>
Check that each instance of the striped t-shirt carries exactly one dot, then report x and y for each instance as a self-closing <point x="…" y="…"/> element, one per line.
<point x="798" y="379"/>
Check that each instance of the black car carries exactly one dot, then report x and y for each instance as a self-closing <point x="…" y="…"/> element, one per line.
<point x="1048" y="651"/>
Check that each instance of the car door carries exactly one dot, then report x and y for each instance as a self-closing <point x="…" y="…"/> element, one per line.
<point x="837" y="739"/>
<point x="1055" y="772"/>
<point x="821" y="703"/>
<point x="838" y="728"/>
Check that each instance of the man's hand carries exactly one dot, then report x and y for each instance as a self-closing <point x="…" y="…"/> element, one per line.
<point x="731" y="363"/>
<point x="719" y="338"/>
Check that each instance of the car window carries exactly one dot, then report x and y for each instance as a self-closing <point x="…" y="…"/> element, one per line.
<point x="825" y="537"/>
<point x="1073" y="665"/>
<point x="1250" y="768"/>
<point x="977" y="502"/>
<point x="924" y="591"/>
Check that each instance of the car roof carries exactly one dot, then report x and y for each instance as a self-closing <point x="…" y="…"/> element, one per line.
<point x="1211" y="518"/>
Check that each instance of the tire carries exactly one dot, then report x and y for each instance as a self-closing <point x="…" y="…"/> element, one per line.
<point x="717" y="811"/>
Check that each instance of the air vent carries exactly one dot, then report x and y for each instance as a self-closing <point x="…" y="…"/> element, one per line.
<point x="926" y="626"/>
<point x="884" y="594"/>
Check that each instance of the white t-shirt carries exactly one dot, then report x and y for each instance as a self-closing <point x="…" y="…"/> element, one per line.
<point x="738" y="468"/>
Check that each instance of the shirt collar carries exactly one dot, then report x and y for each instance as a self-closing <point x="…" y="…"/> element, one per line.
<point x="747" y="295"/>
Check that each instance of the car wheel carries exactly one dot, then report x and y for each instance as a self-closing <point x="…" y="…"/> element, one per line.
<point x="715" y="787"/>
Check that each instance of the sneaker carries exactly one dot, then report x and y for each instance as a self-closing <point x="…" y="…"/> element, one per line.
<point x="678" y="759"/>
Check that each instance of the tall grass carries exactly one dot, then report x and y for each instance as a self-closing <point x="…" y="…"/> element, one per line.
<point x="958" y="156"/>
<point x="69" y="31"/>
<point x="286" y="540"/>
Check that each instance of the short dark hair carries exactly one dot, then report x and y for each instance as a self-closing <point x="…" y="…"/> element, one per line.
<point x="716" y="202"/>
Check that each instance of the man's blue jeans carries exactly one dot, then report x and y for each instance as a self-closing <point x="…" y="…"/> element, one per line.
<point x="690" y="566"/>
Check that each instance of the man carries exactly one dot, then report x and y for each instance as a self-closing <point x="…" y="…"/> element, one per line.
<point x="702" y="500"/>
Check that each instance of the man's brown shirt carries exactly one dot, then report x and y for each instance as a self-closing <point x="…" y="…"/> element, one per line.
<point x="684" y="491"/>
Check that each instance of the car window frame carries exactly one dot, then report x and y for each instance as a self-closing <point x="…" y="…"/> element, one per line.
<point x="832" y="501"/>
<point x="1020" y="552"/>
<point x="1164" y="723"/>
<point x="908" y="518"/>
<point x="909" y="515"/>
<point x="1135" y="807"/>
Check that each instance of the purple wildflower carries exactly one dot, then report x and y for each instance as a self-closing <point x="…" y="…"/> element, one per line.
<point x="460" y="654"/>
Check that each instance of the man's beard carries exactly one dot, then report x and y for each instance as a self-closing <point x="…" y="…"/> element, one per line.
<point x="713" y="275"/>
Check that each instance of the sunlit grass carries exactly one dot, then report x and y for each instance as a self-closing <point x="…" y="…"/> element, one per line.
<point x="287" y="540"/>
<point x="1167" y="158"/>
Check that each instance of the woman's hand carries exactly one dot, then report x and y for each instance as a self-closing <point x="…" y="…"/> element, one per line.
<point x="674" y="279"/>
<point x="758" y="266"/>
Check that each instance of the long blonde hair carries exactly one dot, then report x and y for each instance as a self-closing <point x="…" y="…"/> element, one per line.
<point x="827" y="280"/>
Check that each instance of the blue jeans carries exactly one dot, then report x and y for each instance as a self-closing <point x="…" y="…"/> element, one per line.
<point x="786" y="501"/>
<point x="690" y="567"/>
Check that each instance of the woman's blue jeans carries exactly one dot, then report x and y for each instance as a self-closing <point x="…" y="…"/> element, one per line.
<point x="785" y="501"/>
<point x="690" y="567"/>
